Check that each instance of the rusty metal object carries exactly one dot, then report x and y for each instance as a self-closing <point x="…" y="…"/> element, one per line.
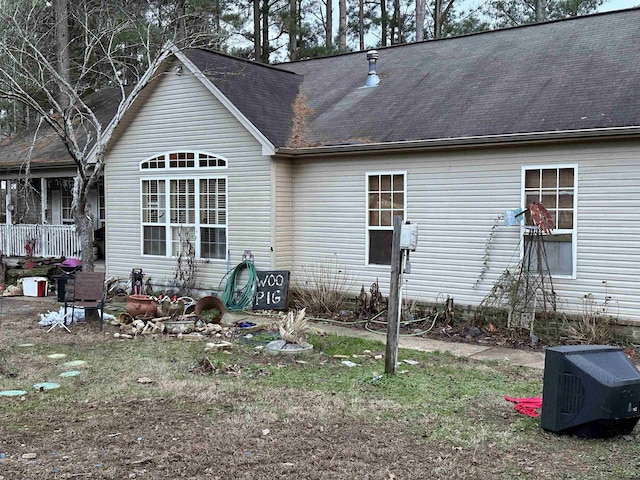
<point x="541" y="217"/>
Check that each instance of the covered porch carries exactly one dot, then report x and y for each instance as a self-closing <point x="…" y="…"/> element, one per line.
<point x="36" y="221"/>
<point x="26" y="240"/>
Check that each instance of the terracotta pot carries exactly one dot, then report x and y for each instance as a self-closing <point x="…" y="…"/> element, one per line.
<point x="141" y="305"/>
<point x="210" y="303"/>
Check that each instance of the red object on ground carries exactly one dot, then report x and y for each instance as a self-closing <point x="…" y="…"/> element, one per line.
<point x="42" y="288"/>
<point x="526" y="406"/>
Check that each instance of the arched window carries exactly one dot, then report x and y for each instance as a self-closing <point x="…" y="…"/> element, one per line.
<point x="184" y="213"/>
<point x="183" y="160"/>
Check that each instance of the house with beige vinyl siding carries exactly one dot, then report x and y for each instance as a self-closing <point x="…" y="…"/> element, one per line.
<point x="189" y="164"/>
<point x="306" y="163"/>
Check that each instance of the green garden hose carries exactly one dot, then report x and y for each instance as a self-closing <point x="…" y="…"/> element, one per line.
<point x="237" y="298"/>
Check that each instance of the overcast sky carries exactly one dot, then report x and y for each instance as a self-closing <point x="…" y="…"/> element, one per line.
<point x="618" y="5"/>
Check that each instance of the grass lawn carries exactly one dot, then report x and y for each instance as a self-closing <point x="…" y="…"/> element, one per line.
<point x="163" y="408"/>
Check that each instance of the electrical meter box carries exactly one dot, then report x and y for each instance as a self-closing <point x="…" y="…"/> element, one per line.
<point x="409" y="236"/>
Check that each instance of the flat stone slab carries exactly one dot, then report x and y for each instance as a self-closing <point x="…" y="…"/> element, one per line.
<point x="280" y="347"/>
<point x="430" y="345"/>
<point x="512" y="356"/>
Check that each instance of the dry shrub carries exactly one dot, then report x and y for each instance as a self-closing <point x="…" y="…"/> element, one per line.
<point x="594" y="326"/>
<point x="324" y="289"/>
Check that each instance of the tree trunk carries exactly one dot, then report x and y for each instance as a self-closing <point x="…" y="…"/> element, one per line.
<point x="216" y="20"/>
<point x="181" y="30"/>
<point x="361" y="23"/>
<point x="395" y="23"/>
<point x="256" y="30"/>
<point x="299" y="28"/>
<point x="328" y="41"/>
<point x="539" y="11"/>
<point x="383" y="23"/>
<point x="81" y="211"/>
<point x="437" y="19"/>
<point x="264" y="57"/>
<point x="62" y="47"/>
<point x="342" y="25"/>
<point x="83" y="219"/>
<point x="293" y="29"/>
<point x="420" y="15"/>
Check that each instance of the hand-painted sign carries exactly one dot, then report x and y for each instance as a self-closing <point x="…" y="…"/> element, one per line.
<point x="273" y="290"/>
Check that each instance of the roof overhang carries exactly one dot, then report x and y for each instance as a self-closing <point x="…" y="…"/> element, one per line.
<point x="465" y="142"/>
<point x="39" y="171"/>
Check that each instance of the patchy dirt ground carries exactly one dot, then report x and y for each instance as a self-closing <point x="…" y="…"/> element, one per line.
<point x="140" y="437"/>
<point x="150" y="438"/>
<point x="98" y="441"/>
<point x="165" y="442"/>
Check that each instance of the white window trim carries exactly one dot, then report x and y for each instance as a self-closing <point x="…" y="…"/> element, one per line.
<point x="196" y="153"/>
<point x="196" y="226"/>
<point x="101" y="204"/>
<point x="66" y="220"/>
<point x="574" y="231"/>
<point x="366" y="211"/>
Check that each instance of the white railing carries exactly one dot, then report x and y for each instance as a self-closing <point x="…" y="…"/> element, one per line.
<point x="45" y="240"/>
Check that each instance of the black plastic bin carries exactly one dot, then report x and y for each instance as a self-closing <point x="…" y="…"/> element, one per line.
<point x="61" y="282"/>
<point x="66" y="274"/>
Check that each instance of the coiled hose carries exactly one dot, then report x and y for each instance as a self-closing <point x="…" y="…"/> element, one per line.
<point x="237" y="298"/>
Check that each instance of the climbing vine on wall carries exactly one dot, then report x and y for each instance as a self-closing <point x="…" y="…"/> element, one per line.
<point x="184" y="277"/>
<point x="486" y="257"/>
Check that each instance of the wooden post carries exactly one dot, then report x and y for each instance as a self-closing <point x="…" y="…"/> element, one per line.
<point x="391" y="356"/>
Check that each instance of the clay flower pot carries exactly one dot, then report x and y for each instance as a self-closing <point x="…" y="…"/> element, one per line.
<point x="141" y="305"/>
<point x="209" y="304"/>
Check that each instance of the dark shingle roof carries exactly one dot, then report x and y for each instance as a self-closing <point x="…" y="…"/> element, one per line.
<point x="48" y="150"/>
<point x="263" y="94"/>
<point x="575" y="74"/>
<point x="579" y="73"/>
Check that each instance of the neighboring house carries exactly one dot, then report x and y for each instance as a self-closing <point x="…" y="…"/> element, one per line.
<point x="304" y="166"/>
<point x="36" y="181"/>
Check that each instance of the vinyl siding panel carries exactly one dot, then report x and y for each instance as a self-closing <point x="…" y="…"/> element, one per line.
<point x="455" y="198"/>
<point x="182" y="115"/>
<point x="283" y="200"/>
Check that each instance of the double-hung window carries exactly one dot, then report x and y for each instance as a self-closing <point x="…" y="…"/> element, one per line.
<point x="385" y="200"/>
<point x="555" y="187"/>
<point x="66" y="200"/>
<point x="186" y="203"/>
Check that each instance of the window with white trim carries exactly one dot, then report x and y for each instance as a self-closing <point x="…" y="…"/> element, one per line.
<point x="178" y="210"/>
<point x="555" y="188"/>
<point x="385" y="199"/>
<point x="66" y="200"/>
<point x="4" y="190"/>
<point x="102" y="209"/>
